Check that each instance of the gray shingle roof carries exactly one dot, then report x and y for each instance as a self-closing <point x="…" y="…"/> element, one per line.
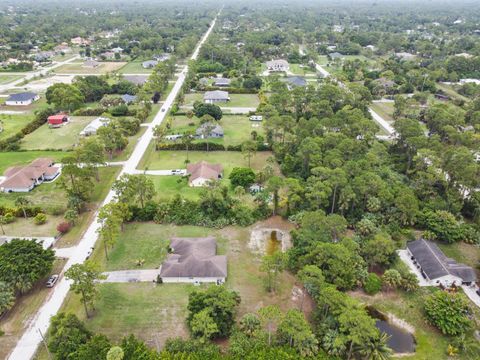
<point x="297" y="81"/>
<point x="127" y="98"/>
<point x="216" y="95"/>
<point x="435" y="264"/>
<point x="25" y="96"/>
<point x="222" y="81"/>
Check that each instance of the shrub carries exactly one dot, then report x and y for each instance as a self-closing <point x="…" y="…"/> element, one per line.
<point x="243" y="177"/>
<point x="40" y="219"/>
<point x="373" y="284"/>
<point x="9" y="217"/>
<point x="64" y="227"/>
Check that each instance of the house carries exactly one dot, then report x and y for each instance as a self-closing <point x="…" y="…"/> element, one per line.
<point x="173" y="137"/>
<point x="149" y="64"/>
<point x="296" y="81"/>
<point x="278" y="65"/>
<point x="21" y="99"/>
<point x="194" y="260"/>
<point x="91" y="129"/>
<point x="256" y="118"/>
<point x="211" y="97"/>
<point x="335" y="55"/>
<point x="385" y="83"/>
<point x="128" y="99"/>
<point x="25" y="178"/>
<point x="468" y="81"/>
<point x="136" y="79"/>
<point x="215" y="131"/>
<point x="107" y="55"/>
<point x="435" y="267"/>
<point x="405" y="56"/>
<point x="161" y="57"/>
<point x="79" y="41"/>
<point x="117" y="50"/>
<point x="91" y="64"/>
<point x="370" y="47"/>
<point x="43" y="56"/>
<point x="58" y="120"/>
<point x="222" y="82"/>
<point x="62" y="48"/>
<point x="202" y="173"/>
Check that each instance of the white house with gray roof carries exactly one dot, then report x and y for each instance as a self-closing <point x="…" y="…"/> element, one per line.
<point x="21" y="99"/>
<point x="215" y="96"/>
<point x="278" y="65"/>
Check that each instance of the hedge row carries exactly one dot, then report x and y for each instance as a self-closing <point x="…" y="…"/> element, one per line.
<point x="98" y="111"/>
<point x="202" y="146"/>
<point x="31" y="211"/>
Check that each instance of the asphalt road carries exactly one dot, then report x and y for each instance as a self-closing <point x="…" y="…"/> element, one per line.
<point x="31" y="339"/>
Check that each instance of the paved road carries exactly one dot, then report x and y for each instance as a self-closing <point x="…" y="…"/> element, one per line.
<point x="125" y="276"/>
<point x="31" y="339"/>
<point x="31" y="75"/>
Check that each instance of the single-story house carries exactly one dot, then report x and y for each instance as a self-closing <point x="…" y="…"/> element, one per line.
<point x="336" y="55"/>
<point x="278" y="65"/>
<point x="22" y="99"/>
<point x="128" y="99"/>
<point x="202" y="173"/>
<point x="25" y="178"/>
<point x="211" y="97"/>
<point x="91" y="129"/>
<point x="136" y="79"/>
<point x="221" y="82"/>
<point x="296" y="81"/>
<point x="161" y="57"/>
<point x="215" y="131"/>
<point x="436" y="268"/>
<point x="91" y="64"/>
<point x="57" y="120"/>
<point x="256" y="118"/>
<point x="117" y="50"/>
<point x="194" y="260"/>
<point x="149" y="64"/>
<point x="79" y="41"/>
<point x="405" y="56"/>
<point x="173" y="137"/>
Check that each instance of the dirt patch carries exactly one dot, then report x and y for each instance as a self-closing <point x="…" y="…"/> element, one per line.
<point x="268" y="236"/>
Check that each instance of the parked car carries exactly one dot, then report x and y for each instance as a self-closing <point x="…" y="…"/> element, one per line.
<point x="176" y="172"/>
<point x="52" y="280"/>
<point x="478" y="292"/>
<point x="163" y="109"/>
<point x="89" y="253"/>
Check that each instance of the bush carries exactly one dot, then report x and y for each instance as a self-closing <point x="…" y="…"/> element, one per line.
<point x="40" y="219"/>
<point x="64" y="227"/>
<point x="243" y="177"/>
<point x="373" y="284"/>
<point x="442" y="224"/>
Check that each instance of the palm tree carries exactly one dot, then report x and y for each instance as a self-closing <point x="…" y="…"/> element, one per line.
<point x="3" y="221"/>
<point x="22" y="203"/>
<point x="250" y="324"/>
<point x="376" y="349"/>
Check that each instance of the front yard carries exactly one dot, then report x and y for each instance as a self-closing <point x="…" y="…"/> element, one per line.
<point x="169" y="186"/>
<point x="236" y="100"/>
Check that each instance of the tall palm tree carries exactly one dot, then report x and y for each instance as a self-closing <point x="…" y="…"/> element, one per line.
<point x="376" y="349"/>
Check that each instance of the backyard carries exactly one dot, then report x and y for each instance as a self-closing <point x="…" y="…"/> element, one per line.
<point x="8" y="159"/>
<point x="169" y="186"/>
<point x="236" y="100"/>
<point x="62" y="138"/>
<point x="134" y="67"/>
<point x="12" y="124"/>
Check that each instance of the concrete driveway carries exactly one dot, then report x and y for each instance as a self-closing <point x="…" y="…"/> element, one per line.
<point x="124" y="276"/>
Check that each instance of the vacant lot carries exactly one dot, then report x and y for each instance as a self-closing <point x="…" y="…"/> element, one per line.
<point x="10" y="158"/>
<point x="384" y="109"/>
<point x="237" y="128"/>
<point x="169" y="186"/>
<point x="165" y="160"/>
<point x="5" y="79"/>
<point x="134" y="67"/>
<point x="62" y="138"/>
<point x="236" y="100"/>
<point x="78" y="68"/>
<point x="12" y="124"/>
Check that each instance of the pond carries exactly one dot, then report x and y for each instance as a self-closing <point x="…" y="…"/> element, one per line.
<point x="401" y="341"/>
<point x="273" y="244"/>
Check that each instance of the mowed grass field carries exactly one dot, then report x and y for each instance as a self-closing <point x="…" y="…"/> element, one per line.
<point x="134" y="67"/>
<point x="12" y="124"/>
<point x="169" y="186"/>
<point x="165" y="160"/>
<point x="157" y="312"/>
<point x="78" y="68"/>
<point x="62" y="138"/>
<point x="236" y="100"/>
<point x="11" y="158"/>
<point x="237" y="128"/>
<point x="5" y="79"/>
<point x="384" y="109"/>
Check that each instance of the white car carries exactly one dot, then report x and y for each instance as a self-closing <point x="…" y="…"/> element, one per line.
<point x="52" y="280"/>
<point x="177" y="172"/>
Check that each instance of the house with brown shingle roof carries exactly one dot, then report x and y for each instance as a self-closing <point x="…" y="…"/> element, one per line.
<point x="194" y="260"/>
<point x="202" y="173"/>
<point x="25" y="178"/>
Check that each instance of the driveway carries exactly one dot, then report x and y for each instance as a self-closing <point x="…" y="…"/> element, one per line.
<point x="125" y="276"/>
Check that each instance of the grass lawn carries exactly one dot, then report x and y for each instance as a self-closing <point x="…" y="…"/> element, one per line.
<point x="134" y="67"/>
<point x="237" y="128"/>
<point x="5" y="79"/>
<point x="64" y="137"/>
<point x="467" y="254"/>
<point x="168" y="186"/>
<point x="164" y="160"/>
<point x="10" y="158"/>
<point x="78" y="68"/>
<point x="450" y="91"/>
<point x="300" y="69"/>
<point x="26" y="227"/>
<point x="12" y="124"/>
<point x="236" y="100"/>
<point x="385" y="110"/>
<point x="431" y="344"/>
<point x="17" y="319"/>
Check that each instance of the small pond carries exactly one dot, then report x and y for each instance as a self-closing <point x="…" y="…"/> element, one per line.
<point x="401" y="341"/>
<point x="273" y="244"/>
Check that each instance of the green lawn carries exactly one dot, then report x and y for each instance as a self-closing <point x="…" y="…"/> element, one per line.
<point x="10" y="158"/>
<point x="134" y="67"/>
<point x="237" y="128"/>
<point x="385" y="110"/>
<point x="12" y="124"/>
<point x="299" y="69"/>
<point x="78" y="68"/>
<point x="64" y="137"/>
<point x="236" y="100"/>
<point x="164" y="160"/>
<point x="169" y="186"/>
<point x="5" y="79"/>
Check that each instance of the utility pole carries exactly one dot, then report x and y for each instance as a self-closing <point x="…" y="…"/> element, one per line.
<point x="45" y="343"/>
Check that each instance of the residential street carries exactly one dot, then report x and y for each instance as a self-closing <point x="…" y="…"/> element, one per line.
<point x="31" y="339"/>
